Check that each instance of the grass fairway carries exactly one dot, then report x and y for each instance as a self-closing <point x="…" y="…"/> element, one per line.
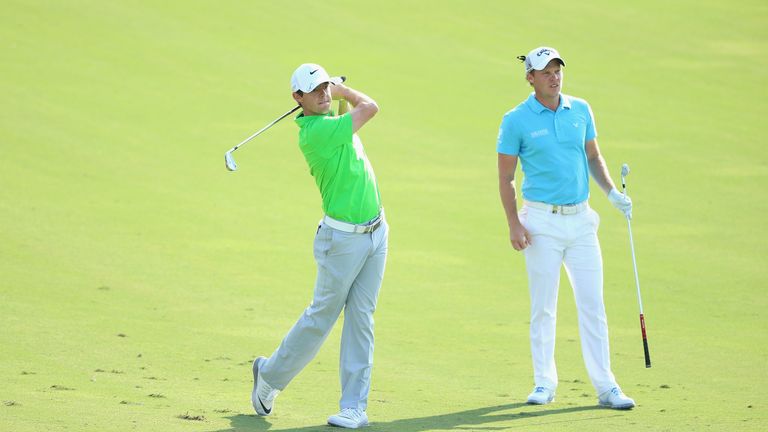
<point x="139" y="278"/>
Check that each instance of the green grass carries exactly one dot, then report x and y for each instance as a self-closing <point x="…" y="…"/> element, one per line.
<point x="139" y="278"/>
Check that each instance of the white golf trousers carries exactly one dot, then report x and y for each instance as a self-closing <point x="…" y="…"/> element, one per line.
<point x="572" y="240"/>
<point x="350" y="269"/>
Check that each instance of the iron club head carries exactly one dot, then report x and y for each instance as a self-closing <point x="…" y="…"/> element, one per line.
<point x="230" y="161"/>
<point x="624" y="174"/>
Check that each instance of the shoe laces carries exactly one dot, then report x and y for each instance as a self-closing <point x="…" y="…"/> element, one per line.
<point x="616" y="391"/>
<point x="352" y="413"/>
<point x="539" y="390"/>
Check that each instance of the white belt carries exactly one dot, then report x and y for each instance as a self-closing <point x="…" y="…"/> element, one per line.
<point x="567" y="209"/>
<point x="367" y="227"/>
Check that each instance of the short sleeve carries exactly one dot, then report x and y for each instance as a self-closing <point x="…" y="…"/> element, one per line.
<point x="508" y="141"/>
<point x="332" y="130"/>
<point x="591" y="129"/>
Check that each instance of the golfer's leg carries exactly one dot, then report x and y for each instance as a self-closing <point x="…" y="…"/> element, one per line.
<point x="357" y="339"/>
<point x="336" y="269"/>
<point x="584" y="264"/>
<point x="543" y="261"/>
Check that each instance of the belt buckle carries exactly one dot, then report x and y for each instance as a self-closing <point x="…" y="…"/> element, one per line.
<point x="372" y="227"/>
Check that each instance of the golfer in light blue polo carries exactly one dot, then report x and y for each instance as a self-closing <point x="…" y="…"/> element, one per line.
<point x="554" y="137"/>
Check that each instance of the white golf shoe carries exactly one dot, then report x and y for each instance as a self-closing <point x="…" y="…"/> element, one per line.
<point x="263" y="395"/>
<point x="350" y="418"/>
<point x="540" y="396"/>
<point x="614" y="398"/>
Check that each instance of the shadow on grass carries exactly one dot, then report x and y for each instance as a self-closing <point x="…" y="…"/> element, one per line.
<point x="476" y="419"/>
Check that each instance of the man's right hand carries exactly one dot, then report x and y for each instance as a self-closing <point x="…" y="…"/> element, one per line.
<point x="519" y="237"/>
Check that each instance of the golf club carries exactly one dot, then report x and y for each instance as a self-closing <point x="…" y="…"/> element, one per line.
<point x="624" y="174"/>
<point x="229" y="160"/>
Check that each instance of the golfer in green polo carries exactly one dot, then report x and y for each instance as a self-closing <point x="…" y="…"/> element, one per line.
<point x="350" y="248"/>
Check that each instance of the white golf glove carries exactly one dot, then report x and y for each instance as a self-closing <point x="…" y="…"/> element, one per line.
<point x="621" y="202"/>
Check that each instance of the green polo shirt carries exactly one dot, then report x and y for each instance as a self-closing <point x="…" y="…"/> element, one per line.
<point x="340" y="167"/>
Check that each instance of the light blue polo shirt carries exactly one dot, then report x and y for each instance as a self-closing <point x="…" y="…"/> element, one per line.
<point x="550" y="146"/>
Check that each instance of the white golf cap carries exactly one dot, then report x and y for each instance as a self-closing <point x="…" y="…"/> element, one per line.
<point x="309" y="75"/>
<point x="540" y="57"/>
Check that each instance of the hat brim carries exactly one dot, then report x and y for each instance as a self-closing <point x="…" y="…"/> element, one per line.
<point x="562" y="62"/>
<point x="331" y="80"/>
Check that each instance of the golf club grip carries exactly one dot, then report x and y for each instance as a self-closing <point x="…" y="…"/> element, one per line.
<point x="645" y="342"/>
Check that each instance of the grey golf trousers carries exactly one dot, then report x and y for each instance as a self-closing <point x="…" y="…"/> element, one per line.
<point x="350" y="268"/>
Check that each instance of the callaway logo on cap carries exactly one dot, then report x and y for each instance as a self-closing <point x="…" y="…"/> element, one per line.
<point x="308" y="76"/>
<point x="540" y="57"/>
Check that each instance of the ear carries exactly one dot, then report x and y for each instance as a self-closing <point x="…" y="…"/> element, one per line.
<point x="529" y="77"/>
<point x="297" y="97"/>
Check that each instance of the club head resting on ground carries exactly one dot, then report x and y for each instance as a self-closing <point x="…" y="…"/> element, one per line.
<point x="230" y="161"/>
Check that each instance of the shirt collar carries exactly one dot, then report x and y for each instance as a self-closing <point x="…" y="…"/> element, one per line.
<point x="538" y="108"/>
<point x="301" y="118"/>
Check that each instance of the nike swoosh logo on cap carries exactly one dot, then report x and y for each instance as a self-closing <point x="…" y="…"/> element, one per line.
<point x="312" y="73"/>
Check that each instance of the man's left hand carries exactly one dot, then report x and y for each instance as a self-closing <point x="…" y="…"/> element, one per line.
<point x="621" y="202"/>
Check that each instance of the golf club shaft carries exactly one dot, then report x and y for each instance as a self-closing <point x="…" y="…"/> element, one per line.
<point x="639" y="298"/>
<point x="634" y="264"/>
<point x="637" y="283"/>
<point x="343" y="79"/>
<point x="265" y="128"/>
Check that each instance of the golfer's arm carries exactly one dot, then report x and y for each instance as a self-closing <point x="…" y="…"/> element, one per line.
<point x="507" y="191"/>
<point x="343" y="106"/>
<point x="597" y="166"/>
<point x="363" y="107"/>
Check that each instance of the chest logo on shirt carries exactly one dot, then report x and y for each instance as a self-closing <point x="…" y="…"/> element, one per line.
<point x="538" y="133"/>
